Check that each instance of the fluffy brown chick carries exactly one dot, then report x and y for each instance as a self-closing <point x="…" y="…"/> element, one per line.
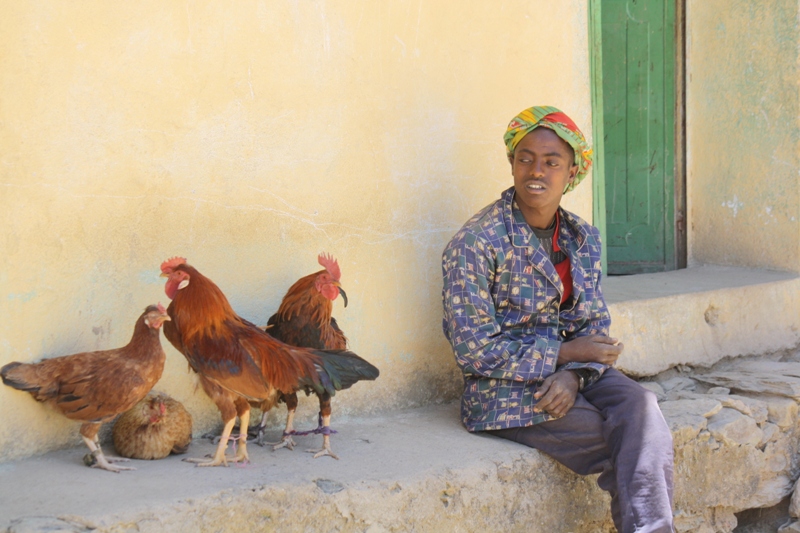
<point x="155" y="427"/>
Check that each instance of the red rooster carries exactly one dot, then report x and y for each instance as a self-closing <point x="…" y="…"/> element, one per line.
<point x="94" y="387"/>
<point x="304" y="319"/>
<point x="237" y="361"/>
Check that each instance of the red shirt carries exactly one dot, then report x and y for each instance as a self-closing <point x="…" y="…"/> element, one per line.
<point x="563" y="268"/>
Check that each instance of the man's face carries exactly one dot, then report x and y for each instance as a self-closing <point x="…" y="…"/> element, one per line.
<point x="543" y="165"/>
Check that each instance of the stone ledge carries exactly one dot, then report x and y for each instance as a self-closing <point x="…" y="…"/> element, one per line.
<point x="420" y="470"/>
<point x="413" y="470"/>
<point x="697" y="316"/>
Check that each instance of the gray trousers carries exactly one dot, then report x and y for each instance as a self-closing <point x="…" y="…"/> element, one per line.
<point x="617" y="430"/>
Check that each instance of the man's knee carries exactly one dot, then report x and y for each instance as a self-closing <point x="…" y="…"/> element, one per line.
<point x="649" y="414"/>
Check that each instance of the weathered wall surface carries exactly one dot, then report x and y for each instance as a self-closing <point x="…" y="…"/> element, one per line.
<point x="249" y="137"/>
<point x="743" y="133"/>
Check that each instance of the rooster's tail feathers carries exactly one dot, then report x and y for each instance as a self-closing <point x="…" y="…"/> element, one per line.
<point x="18" y="376"/>
<point x="341" y="369"/>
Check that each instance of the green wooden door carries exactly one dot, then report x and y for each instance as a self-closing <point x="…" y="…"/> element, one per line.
<point x="638" y="78"/>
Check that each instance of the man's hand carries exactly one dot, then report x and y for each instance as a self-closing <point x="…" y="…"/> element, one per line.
<point x="590" y="349"/>
<point x="557" y="393"/>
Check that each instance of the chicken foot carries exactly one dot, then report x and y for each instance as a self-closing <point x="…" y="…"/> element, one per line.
<point x="286" y="441"/>
<point x="96" y="459"/>
<point x="258" y="432"/>
<point x="112" y="458"/>
<point x="219" y="457"/>
<point x="325" y="429"/>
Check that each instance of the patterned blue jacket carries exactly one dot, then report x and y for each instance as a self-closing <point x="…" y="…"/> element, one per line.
<point x="501" y="310"/>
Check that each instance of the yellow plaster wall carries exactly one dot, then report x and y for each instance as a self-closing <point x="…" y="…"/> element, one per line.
<point x="248" y="137"/>
<point x="743" y="133"/>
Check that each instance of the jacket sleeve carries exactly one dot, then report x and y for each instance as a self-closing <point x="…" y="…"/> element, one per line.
<point x="470" y="323"/>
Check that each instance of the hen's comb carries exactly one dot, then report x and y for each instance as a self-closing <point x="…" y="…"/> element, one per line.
<point x="330" y="265"/>
<point x="162" y="309"/>
<point x="170" y="264"/>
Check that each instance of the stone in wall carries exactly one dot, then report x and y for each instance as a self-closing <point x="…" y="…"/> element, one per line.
<point x="736" y="440"/>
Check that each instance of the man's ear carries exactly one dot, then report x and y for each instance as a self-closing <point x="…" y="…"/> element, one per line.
<point x="573" y="171"/>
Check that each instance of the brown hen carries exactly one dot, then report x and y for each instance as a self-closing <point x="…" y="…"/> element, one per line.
<point x="94" y="387"/>
<point x="155" y="427"/>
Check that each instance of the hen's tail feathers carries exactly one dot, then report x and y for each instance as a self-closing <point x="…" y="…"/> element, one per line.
<point x="19" y="376"/>
<point x="340" y="369"/>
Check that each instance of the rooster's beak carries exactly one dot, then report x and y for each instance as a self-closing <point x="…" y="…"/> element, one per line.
<point x="163" y="275"/>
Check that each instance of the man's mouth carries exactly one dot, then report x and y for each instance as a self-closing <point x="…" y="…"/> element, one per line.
<point x="535" y="187"/>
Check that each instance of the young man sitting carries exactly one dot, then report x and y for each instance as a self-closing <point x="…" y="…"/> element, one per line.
<point x="525" y="315"/>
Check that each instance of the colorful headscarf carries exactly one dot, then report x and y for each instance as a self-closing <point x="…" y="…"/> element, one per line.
<point x="552" y="118"/>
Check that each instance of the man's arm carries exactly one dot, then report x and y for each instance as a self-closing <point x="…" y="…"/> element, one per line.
<point x="590" y="350"/>
<point x="470" y="323"/>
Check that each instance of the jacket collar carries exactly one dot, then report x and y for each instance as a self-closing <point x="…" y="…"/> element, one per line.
<point x="572" y="236"/>
<point x="521" y="234"/>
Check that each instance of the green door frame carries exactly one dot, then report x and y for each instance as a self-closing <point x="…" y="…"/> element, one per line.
<point x="598" y="166"/>
<point x="598" y="133"/>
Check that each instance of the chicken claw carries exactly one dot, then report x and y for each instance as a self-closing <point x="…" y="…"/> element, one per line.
<point x="222" y="459"/>
<point x="258" y="433"/>
<point x="219" y="457"/>
<point x="103" y="462"/>
<point x="325" y="450"/>
<point x="286" y="442"/>
<point x="203" y="461"/>
<point x="325" y="429"/>
<point x="96" y="459"/>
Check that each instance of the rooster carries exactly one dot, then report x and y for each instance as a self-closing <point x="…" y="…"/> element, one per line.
<point x="94" y="387"/>
<point x="155" y="427"/>
<point x="304" y="319"/>
<point x="237" y="361"/>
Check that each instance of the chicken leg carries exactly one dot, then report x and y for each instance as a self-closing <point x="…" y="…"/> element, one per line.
<point x="96" y="459"/>
<point x="286" y="440"/>
<point x="325" y="429"/>
<point x="220" y="458"/>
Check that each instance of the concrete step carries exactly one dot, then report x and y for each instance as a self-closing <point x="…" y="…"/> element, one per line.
<point x="416" y="470"/>
<point x="697" y="316"/>
<point x="420" y="470"/>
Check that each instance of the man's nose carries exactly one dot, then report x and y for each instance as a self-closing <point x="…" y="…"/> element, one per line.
<point x="537" y="169"/>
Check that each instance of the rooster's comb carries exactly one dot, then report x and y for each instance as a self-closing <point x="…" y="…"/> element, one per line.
<point x="170" y="264"/>
<point x="330" y="265"/>
<point x="162" y="309"/>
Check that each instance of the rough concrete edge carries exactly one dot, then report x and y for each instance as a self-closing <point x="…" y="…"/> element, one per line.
<point x="700" y="329"/>
<point x="491" y="495"/>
